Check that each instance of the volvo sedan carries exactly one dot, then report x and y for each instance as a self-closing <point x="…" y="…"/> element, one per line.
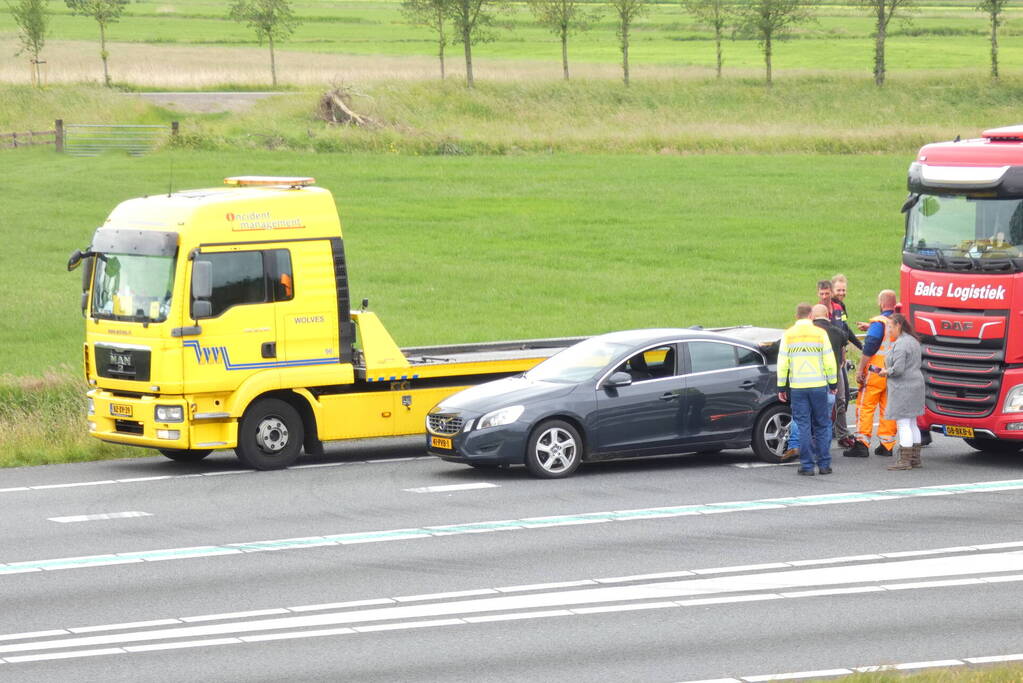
<point x="623" y="394"/>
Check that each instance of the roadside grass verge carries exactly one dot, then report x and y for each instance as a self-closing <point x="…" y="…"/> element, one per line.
<point x="999" y="674"/>
<point x="811" y="115"/>
<point x="42" y="421"/>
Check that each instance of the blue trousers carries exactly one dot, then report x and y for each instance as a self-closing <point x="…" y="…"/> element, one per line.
<point x="794" y="427"/>
<point x="812" y="415"/>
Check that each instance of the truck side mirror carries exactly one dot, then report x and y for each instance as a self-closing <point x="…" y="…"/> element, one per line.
<point x="74" y="260"/>
<point x="202" y="289"/>
<point x="90" y="264"/>
<point x="202" y="279"/>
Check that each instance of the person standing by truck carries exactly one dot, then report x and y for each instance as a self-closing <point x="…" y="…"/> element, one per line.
<point x="905" y="389"/>
<point x="806" y="373"/>
<point x="872" y="396"/>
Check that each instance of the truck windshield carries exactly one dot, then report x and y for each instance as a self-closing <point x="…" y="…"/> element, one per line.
<point x="960" y="226"/>
<point x="132" y="287"/>
<point x="577" y="363"/>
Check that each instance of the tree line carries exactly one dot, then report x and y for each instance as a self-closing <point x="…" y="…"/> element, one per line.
<point x="471" y="22"/>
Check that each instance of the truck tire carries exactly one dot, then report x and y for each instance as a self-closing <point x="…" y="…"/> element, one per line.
<point x="182" y="455"/>
<point x="995" y="446"/>
<point x="554" y="450"/>
<point x="270" y="435"/>
<point x="771" y="433"/>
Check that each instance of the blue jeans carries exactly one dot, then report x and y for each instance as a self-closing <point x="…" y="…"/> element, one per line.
<point x="812" y="415"/>
<point x="794" y="427"/>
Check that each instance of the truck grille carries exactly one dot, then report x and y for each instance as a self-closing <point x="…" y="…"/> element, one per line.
<point x="122" y="363"/>
<point x="447" y="425"/>
<point x="128" y="427"/>
<point x="962" y="382"/>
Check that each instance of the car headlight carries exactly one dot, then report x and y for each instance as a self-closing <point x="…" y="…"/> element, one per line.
<point x="92" y="406"/>
<point x="1014" y="400"/>
<point x="170" y="414"/>
<point x="504" y="416"/>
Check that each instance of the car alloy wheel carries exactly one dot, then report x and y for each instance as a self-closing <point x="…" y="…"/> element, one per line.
<point x="771" y="434"/>
<point x="555" y="449"/>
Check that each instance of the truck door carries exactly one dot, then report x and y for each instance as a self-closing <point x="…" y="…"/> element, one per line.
<point x="302" y="281"/>
<point x="238" y="337"/>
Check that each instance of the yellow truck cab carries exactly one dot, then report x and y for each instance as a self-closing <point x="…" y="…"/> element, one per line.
<point x="220" y="318"/>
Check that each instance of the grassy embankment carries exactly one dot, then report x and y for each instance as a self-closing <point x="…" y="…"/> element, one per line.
<point x="518" y="245"/>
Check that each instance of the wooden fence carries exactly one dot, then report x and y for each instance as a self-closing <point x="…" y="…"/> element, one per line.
<point x="90" y="139"/>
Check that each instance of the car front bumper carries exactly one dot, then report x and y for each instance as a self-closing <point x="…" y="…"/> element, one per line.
<point x="504" y="445"/>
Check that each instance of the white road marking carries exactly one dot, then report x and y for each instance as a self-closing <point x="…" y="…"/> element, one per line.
<point x="452" y="487"/>
<point x="799" y="674"/>
<point x="136" y="480"/>
<point x="695" y="590"/>
<point x="755" y="465"/>
<point x="513" y="525"/>
<point x="101" y="516"/>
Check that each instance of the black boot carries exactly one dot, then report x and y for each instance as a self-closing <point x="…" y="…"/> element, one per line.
<point x="881" y="450"/>
<point x="858" y="450"/>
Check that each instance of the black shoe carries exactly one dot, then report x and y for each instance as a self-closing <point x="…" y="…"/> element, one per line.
<point x="805" y="473"/>
<point x="881" y="450"/>
<point x="825" y="470"/>
<point x="858" y="450"/>
<point x="925" y="438"/>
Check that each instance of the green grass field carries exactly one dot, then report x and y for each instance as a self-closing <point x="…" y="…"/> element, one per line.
<point x="942" y="36"/>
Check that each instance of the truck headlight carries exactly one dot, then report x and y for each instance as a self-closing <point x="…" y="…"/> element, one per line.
<point x="1014" y="400"/>
<point x="92" y="406"/>
<point x="170" y="414"/>
<point x="504" y="416"/>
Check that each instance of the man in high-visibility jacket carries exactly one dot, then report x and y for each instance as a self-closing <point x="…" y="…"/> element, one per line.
<point x="806" y="373"/>
<point x="873" y="387"/>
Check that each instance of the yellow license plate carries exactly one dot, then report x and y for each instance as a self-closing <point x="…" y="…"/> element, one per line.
<point x="440" y="442"/>
<point x="120" y="410"/>
<point x="953" y="430"/>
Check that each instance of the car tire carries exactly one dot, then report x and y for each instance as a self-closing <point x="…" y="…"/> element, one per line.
<point x="554" y="450"/>
<point x="270" y="435"/>
<point x="771" y="433"/>
<point x="183" y="455"/>
<point x="995" y="446"/>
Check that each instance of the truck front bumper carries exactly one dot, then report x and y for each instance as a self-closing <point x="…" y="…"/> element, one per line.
<point x="133" y="421"/>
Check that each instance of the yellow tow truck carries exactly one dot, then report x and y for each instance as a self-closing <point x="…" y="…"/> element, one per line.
<point x="220" y="318"/>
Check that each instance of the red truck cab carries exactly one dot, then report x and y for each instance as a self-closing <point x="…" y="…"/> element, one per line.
<point x="962" y="285"/>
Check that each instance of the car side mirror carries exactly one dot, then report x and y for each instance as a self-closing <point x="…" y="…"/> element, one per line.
<point x="618" y="379"/>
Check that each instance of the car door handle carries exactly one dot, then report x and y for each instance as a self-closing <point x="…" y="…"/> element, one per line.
<point x="669" y="396"/>
<point x="748" y="384"/>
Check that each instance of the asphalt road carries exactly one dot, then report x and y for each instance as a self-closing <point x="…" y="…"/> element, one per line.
<point x="355" y="566"/>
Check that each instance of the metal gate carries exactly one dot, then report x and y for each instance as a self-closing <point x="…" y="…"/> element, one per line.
<point x="92" y="139"/>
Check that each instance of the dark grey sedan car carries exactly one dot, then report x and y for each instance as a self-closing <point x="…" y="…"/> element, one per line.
<point x="623" y="394"/>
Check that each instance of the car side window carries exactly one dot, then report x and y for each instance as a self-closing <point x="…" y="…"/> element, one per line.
<point x="650" y="364"/>
<point x="748" y="356"/>
<point x="705" y="356"/>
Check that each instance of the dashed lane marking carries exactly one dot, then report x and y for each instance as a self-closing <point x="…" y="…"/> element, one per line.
<point x="100" y="516"/>
<point x="452" y="487"/>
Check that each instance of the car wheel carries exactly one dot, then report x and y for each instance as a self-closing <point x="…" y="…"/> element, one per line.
<point x="771" y="433"/>
<point x="995" y="446"/>
<point x="182" y="455"/>
<point x="554" y="450"/>
<point x="270" y="435"/>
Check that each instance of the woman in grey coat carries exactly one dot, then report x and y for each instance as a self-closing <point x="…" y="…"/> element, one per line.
<point x="905" y="389"/>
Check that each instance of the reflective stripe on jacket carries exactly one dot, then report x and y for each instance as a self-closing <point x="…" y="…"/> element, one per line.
<point x="805" y="359"/>
<point x="878" y="359"/>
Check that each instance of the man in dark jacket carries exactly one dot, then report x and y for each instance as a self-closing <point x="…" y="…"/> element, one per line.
<point x="838" y="339"/>
<point x="827" y="293"/>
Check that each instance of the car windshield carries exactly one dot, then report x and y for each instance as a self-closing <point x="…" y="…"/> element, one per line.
<point x="579" y="362"/>
<point x="960" y="226"/>
<point x="132" y="287"/>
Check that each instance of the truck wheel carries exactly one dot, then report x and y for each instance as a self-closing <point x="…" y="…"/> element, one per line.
<point x="182" y="455"/>
<point x="554" y="450"/>
<point x="270" y="435"/>
<point x="995" y="446"/>
<point x="771" y="433"/>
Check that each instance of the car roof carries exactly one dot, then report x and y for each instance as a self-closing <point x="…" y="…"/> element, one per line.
<point x="668" y="334"/>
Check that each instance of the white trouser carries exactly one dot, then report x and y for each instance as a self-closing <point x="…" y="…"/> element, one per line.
<point x="909" y="432"/>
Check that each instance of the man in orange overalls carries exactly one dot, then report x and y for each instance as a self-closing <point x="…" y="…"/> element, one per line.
<point x="872" y="395"/>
